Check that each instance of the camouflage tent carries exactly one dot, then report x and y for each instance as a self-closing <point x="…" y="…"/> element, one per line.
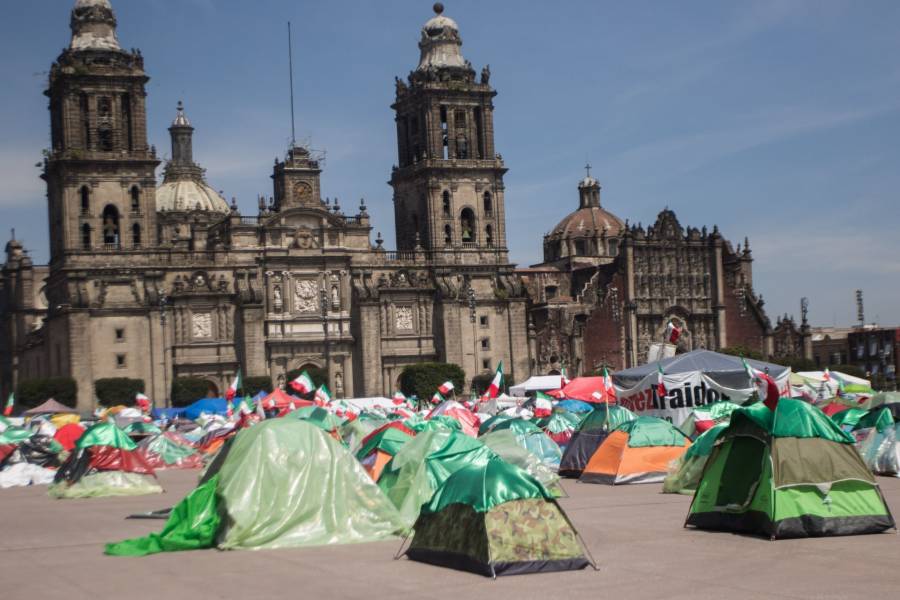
<point x="495" y="519"/>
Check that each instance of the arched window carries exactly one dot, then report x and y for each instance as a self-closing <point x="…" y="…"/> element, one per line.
<point x="580" y="248"/>
<point x="136" y="235"/>
<point x="111" y="226"/>
<point x="135" y="199"/>
<point x="85" y="200"/>
<point x="489" y="235"/>
<point x="446" y="203"/>
<point x="467" y="226"/>
<point x="488" y="203"/>
<point x="86" y="236"/>
<point x="448" y="235"/>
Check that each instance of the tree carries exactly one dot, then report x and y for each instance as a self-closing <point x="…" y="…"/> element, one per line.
<point x="118" y="390"/>
<point x="743" y="351"/>
<point x="254" y="385"/>
<point x="33" y="392"/>
<point x="481" y="382"/>
<point x="422" y="380"/>
<point x="186" y="390"/>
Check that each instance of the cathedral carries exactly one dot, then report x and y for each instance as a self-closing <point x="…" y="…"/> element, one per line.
<point x="161" y="280"/>
<point x="156" y="281"/>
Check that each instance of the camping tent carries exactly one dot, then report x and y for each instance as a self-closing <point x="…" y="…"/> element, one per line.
<point x="455" y="410"/>
<point x="880" y="450"/>
<point x="560" y="426"/>
<point x="280" y="400"/>
<point x="284" y="483"/>
<point x="582" y="388"/>
<point x="105" y="462"/>
<point x="494" y="519"/>
<point x="702" y="419"/>
<point x="684" y="474"/>
<point x="593" y="429"/>
<point x="68" y="435"/>
<point x="532" y="438"/>
<point x="536" y="383"/>
<point x="211" y="406"/>
<point x="787" y="472"/>
<point x="50" y="407"/>
<point x="415" y="472"/>
<point x="380" y="446"/>
<point x="170" y="450"/>
<point x="637" y="451"/>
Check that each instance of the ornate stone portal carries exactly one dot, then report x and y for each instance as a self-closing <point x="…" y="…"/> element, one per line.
<point x="305" y="296"/>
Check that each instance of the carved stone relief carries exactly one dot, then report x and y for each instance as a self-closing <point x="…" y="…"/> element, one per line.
<point x="201" y="324"/>
<point x="305" y="296"/>
<point x="403" y="318"/>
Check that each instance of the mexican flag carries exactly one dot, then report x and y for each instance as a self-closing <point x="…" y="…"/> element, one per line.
<point x="565" y="380"/>
<point x="609" y="390"/>
<point x="446" y="388"/>
<point x="543" y="405"/>
<point x="10" y="402"/>
<point x="303" y="384"/>
<point x="323" y="396"/>
<point x="752" y="373"/>
<point x="244" y="406"/>
<point x="232" y="389"/>
<point x="497" y="383"/>
<point x="672" y="333"/>
<point x="660" y="383"/>
<point x="398" y="398"/>
<point x="438" y="398"/>
<point x="767" y="390"/>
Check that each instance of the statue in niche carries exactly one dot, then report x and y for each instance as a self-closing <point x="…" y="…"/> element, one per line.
<point x="338" y="384"/>
<point x="277" y="301"/>
<point x="335" y="297"/>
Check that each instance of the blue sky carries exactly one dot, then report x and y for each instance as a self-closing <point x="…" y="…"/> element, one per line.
<point x="775" y="120"/>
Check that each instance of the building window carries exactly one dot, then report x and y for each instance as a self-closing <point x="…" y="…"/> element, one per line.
<point x="580" y="249"/>
<point x="448" y="235"/>
<point x="135" y="199"/>
<point x="444" y="133"/>
<point x="467" y="225"/>
<point x="120" y="335"/>
<point x="551" y="291"/>
<point x="86" y="121"/>
<point x="85" y="200"/>
<point x="486" y="364"/>
<point x="485" y="343"/>
<point x="462" y="147"/>
<point x="445" y="197"/>
<point x="86" y="236"/>
<point x="613" y="247"/>
<point x="120" y="361"/>
<point x="136" y="235"/>
<point x="489" y="235"/>
<point x="483" y="320"/>
<point x="488" y="203"/>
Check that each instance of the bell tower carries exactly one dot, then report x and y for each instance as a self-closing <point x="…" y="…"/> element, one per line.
<point x="448" y="185"/>
<point x="100" y="171"/>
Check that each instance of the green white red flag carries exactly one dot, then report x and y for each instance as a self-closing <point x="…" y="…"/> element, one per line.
<point x="660" y="382"/>
<point x="398" y="398"/>
<point x="438" y="398"/>
<point x="543" y="405"/>
<point x="232" y="389"/>
<point x="303" y="384"/>
<point x="497" y="383"/>
<point x="446" y="388"/>
<point x="10" y="403"/>
<point x="323" y="396"/>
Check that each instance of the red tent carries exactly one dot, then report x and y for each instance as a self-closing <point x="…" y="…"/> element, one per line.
<point x="281" y="400"/>
<point x="833" y="408"/>
<point x="582" y="388"/>
<point x="68" y="435"/>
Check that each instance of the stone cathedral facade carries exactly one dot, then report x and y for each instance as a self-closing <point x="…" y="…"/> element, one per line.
<point x="161" y="280"/>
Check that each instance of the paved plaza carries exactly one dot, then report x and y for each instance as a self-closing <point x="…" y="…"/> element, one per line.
<point x="53" y="549"/>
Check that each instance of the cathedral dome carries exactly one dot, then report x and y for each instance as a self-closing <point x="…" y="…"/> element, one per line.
<point x="93" y="26"/>
<point x="440" y="43"/>
<point x="588" y="222"/>
<point x="187" y="195"/>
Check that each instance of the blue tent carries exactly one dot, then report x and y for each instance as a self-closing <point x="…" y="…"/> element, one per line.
<point x="575" y="406"/>
<point x="168" y="413"/>
<point x="206" y="405"/>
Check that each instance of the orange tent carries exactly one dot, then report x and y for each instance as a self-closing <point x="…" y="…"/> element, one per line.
<point x="638" y="451"/>
<point x="280" y="400"/>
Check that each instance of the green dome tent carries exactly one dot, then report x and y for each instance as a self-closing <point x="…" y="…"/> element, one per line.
<point x="506" y="445"/>
<point x="787" y="473"/>
<point x="686" y="471"/>
<point x="494" y="519"/>
<point x="532" y="438"/>
<point x="590" y="434"/>
<point x="424" y="463"/>
<point x="285" y="483"/>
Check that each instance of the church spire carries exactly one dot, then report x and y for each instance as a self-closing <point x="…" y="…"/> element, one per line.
<point x="182" y="165"/>
<point x="93" y="26"/>
<point x="440" y="44"/>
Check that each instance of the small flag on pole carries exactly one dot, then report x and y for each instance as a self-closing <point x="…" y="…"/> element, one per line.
<point x="660" y="383"/>
<point x="303" y="384"/>
<point x="10" y="402"/>
<point x="398" y="398"/>
<point x="446" y="388"/>
<point x="323" y="396"/>
<point x="233" y="388"/>
<point x="438" y="398"/>
<point x="497" y="383"/>
<point x="543" y="405"/>
<point x="672" y="333"/>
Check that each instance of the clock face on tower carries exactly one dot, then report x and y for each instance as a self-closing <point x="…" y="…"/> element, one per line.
<point x="303" y="192"/>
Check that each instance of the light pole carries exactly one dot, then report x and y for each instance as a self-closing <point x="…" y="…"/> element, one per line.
<point x="163" y="303"/>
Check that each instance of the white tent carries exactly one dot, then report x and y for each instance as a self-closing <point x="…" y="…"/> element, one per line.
<point x="538" y="383"/>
